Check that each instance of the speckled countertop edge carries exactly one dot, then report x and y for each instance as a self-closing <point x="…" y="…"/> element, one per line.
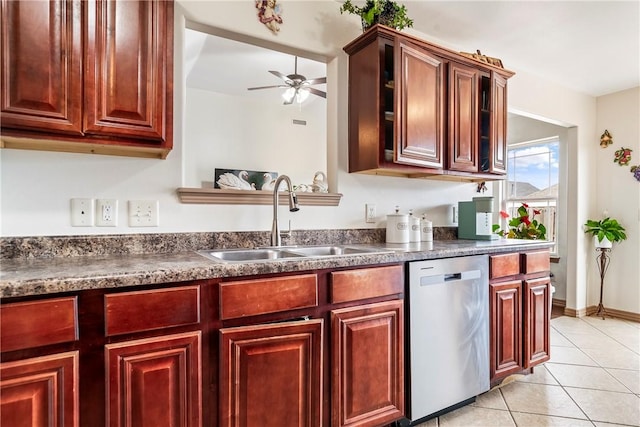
<point x="42" y="276"/>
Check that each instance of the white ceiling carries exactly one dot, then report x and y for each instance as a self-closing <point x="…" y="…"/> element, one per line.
<point x="230" y="67"/>
<point x="589" y="46"/>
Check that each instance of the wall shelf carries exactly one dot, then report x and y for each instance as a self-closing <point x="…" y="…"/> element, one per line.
<point x="215" y="196"/>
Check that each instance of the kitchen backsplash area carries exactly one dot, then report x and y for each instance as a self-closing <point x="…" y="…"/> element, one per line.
<point x="125" y="244"/>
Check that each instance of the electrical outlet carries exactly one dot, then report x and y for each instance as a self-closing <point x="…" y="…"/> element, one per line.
<point x="370" y="213"/>
<point x="106" y="212"/>
<point x="144" y="213"/>
<point x="81" y="212"/>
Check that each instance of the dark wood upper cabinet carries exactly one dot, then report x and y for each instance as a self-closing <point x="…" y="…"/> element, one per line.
<point x="463" y="118"/>
<point x="42" y="65"/>
<point x="88" y="76"/>
<point x="126" y="74"/>
<point x="498" y="140"/>
<point x="420" y="110"/>
<point x="420" y="116"/>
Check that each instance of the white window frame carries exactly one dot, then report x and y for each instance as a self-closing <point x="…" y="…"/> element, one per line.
<point x="547" y="205"/>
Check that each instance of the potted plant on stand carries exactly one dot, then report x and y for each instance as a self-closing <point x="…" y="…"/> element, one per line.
<point x="385" y="12"/>
<point x="605" y="232"/>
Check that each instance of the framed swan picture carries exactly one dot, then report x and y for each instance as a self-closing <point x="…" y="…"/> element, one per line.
<point x="242" y="179"/>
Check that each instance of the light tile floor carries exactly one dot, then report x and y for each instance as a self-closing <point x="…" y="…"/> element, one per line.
<point x="592" y="379"/>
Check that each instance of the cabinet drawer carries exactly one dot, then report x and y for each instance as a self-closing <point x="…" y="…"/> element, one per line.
<point x="260" y="296"/>
<point x="536" y="262"/>
<point x="155" y="309"/>
<point x="504" y="265"/>
<point x="364" y="283"/>
<point x="37" y="323"/>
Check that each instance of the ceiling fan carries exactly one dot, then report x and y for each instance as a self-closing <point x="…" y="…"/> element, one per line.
<point x="297" y="85"/>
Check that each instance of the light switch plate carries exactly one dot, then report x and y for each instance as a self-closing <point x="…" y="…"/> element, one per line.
<point x="144" y="213"/>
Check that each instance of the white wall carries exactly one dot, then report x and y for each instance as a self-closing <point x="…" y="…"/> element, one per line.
<point x="618" y="193"/>
<point x="36" y="186"/>
<point x="523" y="129"/>
<point x="231" y="132"/>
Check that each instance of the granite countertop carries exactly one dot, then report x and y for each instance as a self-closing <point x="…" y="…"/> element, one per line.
<point x="41" y="276"/>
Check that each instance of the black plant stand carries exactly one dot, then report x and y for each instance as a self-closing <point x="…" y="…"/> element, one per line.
<point x="603" y="264"/>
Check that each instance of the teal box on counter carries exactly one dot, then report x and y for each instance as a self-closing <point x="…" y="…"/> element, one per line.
<point x="474" y="219"/>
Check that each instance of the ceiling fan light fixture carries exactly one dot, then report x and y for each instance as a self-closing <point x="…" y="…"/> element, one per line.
<point x="298" y="95"/>
<point x="302" y="95"/>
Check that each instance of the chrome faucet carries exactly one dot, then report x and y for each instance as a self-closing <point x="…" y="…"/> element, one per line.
<point x="276" y="240"/>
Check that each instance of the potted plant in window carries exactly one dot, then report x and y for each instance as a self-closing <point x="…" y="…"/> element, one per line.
<point x="522" y="226"/>
<point x="605" y="232"/>
<point x="385" y="12"/>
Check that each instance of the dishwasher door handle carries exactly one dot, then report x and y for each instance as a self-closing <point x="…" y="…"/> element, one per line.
<point x="437" y="279"/>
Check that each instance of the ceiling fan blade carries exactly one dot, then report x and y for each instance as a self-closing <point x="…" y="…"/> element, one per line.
<point x="317" y="81"/>
<point x="317" y="92"/>
<point x="265" y="87"/>
<point x="280" y="75"/>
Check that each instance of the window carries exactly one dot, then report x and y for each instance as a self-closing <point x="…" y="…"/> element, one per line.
<point x="532" y="178"/>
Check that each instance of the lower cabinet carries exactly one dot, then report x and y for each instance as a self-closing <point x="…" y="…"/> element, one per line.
<point x="40" y="391"/>
<point x="271" y="375"/>
<point x="154" y="381"/>
<point x="537" y="305"/>
<point x="277" y="372"/>
<point x="210" y="353"/>
<point x="505" y="307"/>
<point x="367" y="381"/>
<point x="39" y="380"/>
<point x="519" y="307"/>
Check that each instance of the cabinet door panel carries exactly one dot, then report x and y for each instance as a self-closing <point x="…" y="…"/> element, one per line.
<point x="271" y="375"/>
<point x="504" y="265"/>
<point x="537" y="317"/>
<point x="40" y="392"/>
<point x="154" y="382"/>
<point x="41" y="65"/>
<point x="367" y="387"/>
<point x="463" y="118"/>
<point x="505" y="330"/>
<point x="420" y="107"/>
<point x="38" y="323"/>
<point x="127" y="71"/>
<point x="498" y="140"/>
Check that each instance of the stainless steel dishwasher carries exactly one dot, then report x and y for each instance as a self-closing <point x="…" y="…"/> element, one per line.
<point x="448" y="334"/>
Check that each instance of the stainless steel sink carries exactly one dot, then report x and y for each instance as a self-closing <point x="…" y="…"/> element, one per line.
<point x="287" y="252"/>
<point x="239" y="255"/>
<point x="312" y="251"/>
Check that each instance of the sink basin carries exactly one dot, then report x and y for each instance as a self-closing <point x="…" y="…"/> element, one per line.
<point x="238" y="255"/>
<point x="311" y="251"/>
<point x="266" y="254"/>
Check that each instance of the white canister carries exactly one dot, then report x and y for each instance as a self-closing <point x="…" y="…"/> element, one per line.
<point x="398" y="228"/>
<point x="414" y="228"/>
<point x="426" y="230"/>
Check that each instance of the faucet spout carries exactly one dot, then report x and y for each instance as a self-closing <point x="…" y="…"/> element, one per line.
<point x="276" y="239"/>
